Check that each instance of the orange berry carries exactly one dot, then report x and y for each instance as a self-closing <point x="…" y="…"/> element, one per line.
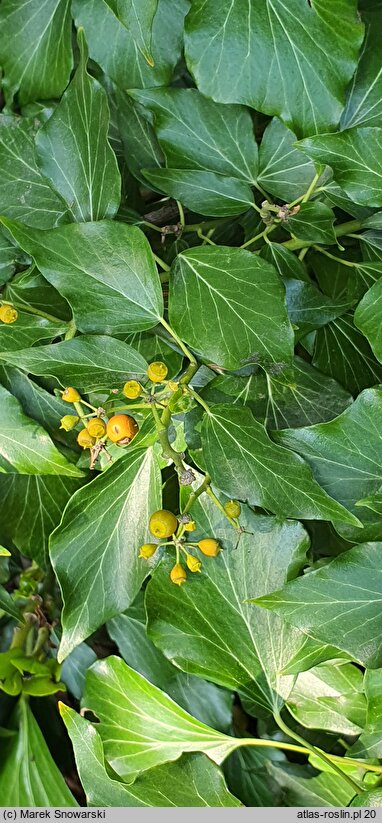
<point x="121" y="427"/>
<point x="157" y="371"/>
<point x="71" y="395"/>
<point x="85" y="440"/>
<point x="8" y="314"/>
<point x="209" y="546"/>
<point x="163" y="523"/>
<point x="178" y="574"/>
<point x="96" y="427"/>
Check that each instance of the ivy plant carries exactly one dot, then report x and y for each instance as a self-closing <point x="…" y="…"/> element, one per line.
<point x="190" y="403"/>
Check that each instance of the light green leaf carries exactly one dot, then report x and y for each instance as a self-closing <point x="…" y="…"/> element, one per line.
<point x="313" y="222"/>
<point x="243" y="462"/>
<point x="206" y="701"/>
<point x="25" y="447"/>
<point x="202" y="191"/>
<point x="372" y="799"/>
<point x="138" y="18"/>
<point x="303" y="786"/>
<point x="28" y="330"/>
<point x="31" y="508"/>
<point x="338" y="604"/>
<point x="207" y="627"/>
<point x="368" y="316"/>
<point x="346" y="456"/>
<point x="354" y="155"/>
<point x="25" y="758"/>
<point x="196" y="133"/>
<point x="330" y="697"/>
<point x="73" y="151"/>
<point x="363" y="105"/>
<point x="124" y="63"/>
<point x="342" y="352"/>
<point x="103" y="526"/>
<point x="24" y="194"/>
<point x="90" y="363"/>
<point x="369" y="743"/>
<point x="269" y="55"/>
<point x="283" y="170"/>
<point x="141" y="726"/>
<point x="35" y="48"/>
<point x="110" y="263"/>
<point x="192" y="781"/>
<point x="230" y="306"/>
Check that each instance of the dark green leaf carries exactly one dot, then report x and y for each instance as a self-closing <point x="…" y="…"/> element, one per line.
<point x="102" y="529"/>
<point x="283" y="170"/>
<point x="313" y="222"/>
<point x="73" y="152"/>
<point x="24" y="194"/>
<point x="35" y="48"/>
<point x="28" y="773"/>
<point x="141" y="147"/>
<point x="338" y="604"/>
<point x="370" y="742"/>
<point x="110" y="263"/>
<point x="89" y="362"/>
<point x="30" y="287"/>
<point x="138" y="19"/>
<point x="363" y="105"/>
<point x="203" y="191"/>
<point x="8" y="605"/>
<point x="302" y="786"/>
<point x="243" y="462"/>
<point x="269" y="55"/>
<point x="342" y="352"/>
<point x="192" y="781"/>
<point x="346" y="457"/>
<point x="309" y="309"/>
<point x="230" y="306"/>
<point x="368" y="316"/>
<point x="286" y="263"/>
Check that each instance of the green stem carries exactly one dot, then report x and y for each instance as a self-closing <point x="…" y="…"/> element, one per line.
<point x="339" y="231"/>
<point x="195" y="494"/>
<point x="205" y="238"/>
<point x="180" y="343"/>
<point x="264" y="234"/>
<point x="167" y="450"/>
<point x="30" y="310"/>
<point x="311" y="189"/>
<point x="130" y="408"/>
<point x="221" y="508"/>
<point x="72" y="328"/>
<point x="181" y="214"/>
<point x="42" y="637"/>
<point x="161" y="263"/>
<point x="80" y="412"/>
<point x="333" y="257"/>
<point x="317" y="753"/>
<point x="290" y="747"/>
<point x="199" y="399"/>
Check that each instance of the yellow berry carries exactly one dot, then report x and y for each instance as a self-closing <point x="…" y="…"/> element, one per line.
<point x="85" y="440"/>
<point x="209" y="546"/>
<point x="8" y="314"/>
<point x="147" y="550"/>
<point x="163" y="523"/>
<point x="132" y="389"/>
<point x="193" y="563"/>
<point x="71" y="395"/>
<point x="69" y="421"/>
<point x="178" y="574"/>
<point x="172" y="385"/>
<point x="121" y="427"/>
<point x="232" y="508"/>
<point x="96" y="427"/>
<point x="157" y="371"/>
<point x="190" y="526"/>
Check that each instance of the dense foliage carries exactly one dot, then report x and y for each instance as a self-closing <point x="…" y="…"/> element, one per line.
<point x="191" y="402"/>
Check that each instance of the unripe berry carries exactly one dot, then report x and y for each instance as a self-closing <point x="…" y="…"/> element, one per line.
<point x="96" y="427"/>
<point x="121" y="427"/>
<point x="132" y="389"/>
<point x="190" y="526"/>
<point x="71" y="395"/>
<point x="178" y="574"/>
<point x="232" y="508"/>
<point x="85" y="440"/>
<point x="172" y="385"/>
<point x="157" y="371"/>
<point x="147" y="550"/>
<point x="209" y="546"/>
<point x="68" y="422"/>
<point x="193" y="563"/>
<point x="163" y="523"/>
<point x="8" y="314"/>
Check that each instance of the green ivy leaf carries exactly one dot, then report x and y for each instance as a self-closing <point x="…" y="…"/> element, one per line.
<point x="73" y="151"/>
<point x="111" y="263"/>
<point x="270" y="56"/>
<point x="309" y="309"/>
<point x="363" y="105"/>
<point x="35" y="48"/>
<point x="138" y="19"/>
<point x="28" y="330"/>
<point x="203" y="191"/>
<point x="283" y="170"/>
<point x="369" y="744"/>
<point x="102" y="528"/>
<point x="24" y="445"/>
<point x="367" y="317"/>
<point x="90" y="363"/>
<point x="25" y="758"/>
<point x="304" y="786"/>
<point x="338" y="604"/>
<point x="235" y="311"/>
<point x="243" y="462"/>
<point x="8" y="605"/>
<point x="192" y="781"/>
<point x="330" y="697"/>
<point x="314" y="223"/>
<point x="342" y="352"/>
